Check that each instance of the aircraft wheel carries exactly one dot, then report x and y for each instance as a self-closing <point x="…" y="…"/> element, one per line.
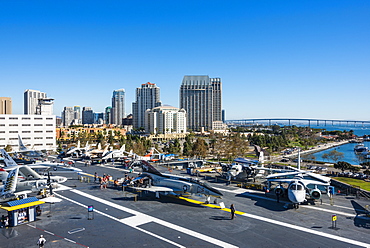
<point x="215" y="201"/>
<point x="206" y="202"/>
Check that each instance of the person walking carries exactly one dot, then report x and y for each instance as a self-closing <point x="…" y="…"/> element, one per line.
<point x="232" y="211"/>
<point x="95" y="177"/>
<point x="41" y="242"/>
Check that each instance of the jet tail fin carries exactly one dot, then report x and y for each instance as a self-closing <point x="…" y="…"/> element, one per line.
<point x="9" y="161"/>
<point x="11" y="182"/>
<point x="22" y="147"/>
<point x="149" y="168"/>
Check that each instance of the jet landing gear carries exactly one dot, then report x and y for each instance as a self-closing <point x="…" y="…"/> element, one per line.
<point x="295" y="205"/>
<point x="208" y="199"/>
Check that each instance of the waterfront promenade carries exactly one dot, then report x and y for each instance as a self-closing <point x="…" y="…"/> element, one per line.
<point x="310" y="151"/>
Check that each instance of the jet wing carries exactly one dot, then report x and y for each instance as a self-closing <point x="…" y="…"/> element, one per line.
<point x="283" y="174"/>
<point x="28" y="172"/>
<point x="154" y="189"/>
<point x="282" y="180"/>
<point x="319" y="177"/>
<point x="304" y="181"/>
<point x="314" y="182"/>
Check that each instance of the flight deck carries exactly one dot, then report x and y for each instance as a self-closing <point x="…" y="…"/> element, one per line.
<point x="117" y="220"/>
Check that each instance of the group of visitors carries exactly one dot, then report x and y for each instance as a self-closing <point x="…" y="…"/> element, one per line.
<point x="104" y="181"/>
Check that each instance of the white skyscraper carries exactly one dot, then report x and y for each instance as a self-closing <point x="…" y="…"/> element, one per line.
<point x="147" y="97"/>
<point x="118" y="107"/>
<point x="31" y="101"/>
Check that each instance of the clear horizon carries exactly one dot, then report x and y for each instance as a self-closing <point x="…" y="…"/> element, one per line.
<point x="275" y="58"/>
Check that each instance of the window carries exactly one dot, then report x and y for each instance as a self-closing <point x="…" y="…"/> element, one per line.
<point x="26" y="138"/>
<point x="49" y="118"/>
<point x="38" y="137"/>
<point x="38" y="144"/>
<point x="26" y="131"/>
<point x="38" y="125"/>
<point x="13" y="139"/>
<point x="13" y="118"/>
<point x="49" y="131"/>
<point x="38" y="131"/>
<point x="26" y="118"/>
<point x="37" y="118"/>
<point x="2" y="118"/>
<point x="49" y="144"/>
<point x="26" y="125"/>
<point x="49" y="125"/>
<point x="13" y="125"/>
<point x="13" y="131"/>
<point x="2" y="138"/>
<point x="2" y="125"/>
<point x="49" y="137"/>
<point x="2" y="131"/>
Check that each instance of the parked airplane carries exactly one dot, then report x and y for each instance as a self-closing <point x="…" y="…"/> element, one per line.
<point x="78" y="149"/>
<point x="115" y="154"/>
<point x="158" y="182"/>
<point x="97" y="153"/>
<point x="24" y="151"/>
<point x="153" y="155"/>
<point x="21" y="178"/>
<point x="298" y="190"/>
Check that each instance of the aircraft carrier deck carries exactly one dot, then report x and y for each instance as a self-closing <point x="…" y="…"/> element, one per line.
<point x="120" y="221"/>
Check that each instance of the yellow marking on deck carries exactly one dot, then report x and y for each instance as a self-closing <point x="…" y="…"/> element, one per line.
<point x="197" y="202"/>
<point x="209" y="205"/>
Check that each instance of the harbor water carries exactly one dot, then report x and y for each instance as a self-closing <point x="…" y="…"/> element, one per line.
<point x="348" y="152"/>
<point x="347" y="149"/>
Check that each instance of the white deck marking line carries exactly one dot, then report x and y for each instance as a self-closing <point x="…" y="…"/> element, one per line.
<point x="153" y="219"/>
<point x="70" y="240"/>
<point x="338" y="206"/>
<point x="304" y="229"/>
<point x="305" y="206"/>
<point x="329" y="211"/>
<point x="113" y="218"/>
<point x="49" y="232"/>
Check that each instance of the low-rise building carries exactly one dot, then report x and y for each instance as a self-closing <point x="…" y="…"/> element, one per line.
<point x="36" y="131"/>
<point x="165" y="120"/>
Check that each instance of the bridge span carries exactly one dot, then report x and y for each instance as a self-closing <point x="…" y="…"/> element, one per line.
<point x="299" y="121"/>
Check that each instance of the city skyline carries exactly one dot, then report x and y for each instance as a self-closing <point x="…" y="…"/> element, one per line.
<point x="275" y="59"/>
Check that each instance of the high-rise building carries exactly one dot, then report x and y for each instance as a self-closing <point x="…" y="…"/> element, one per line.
<point x="108" y="111"/>
<point x="165" y="119"/>
<point x="31" y="101"/>
<point x="147" y="97"/>
<point x="201" y="97"/>
<point x="77" y="114"/>
<point x="87" y="115"/>
<point x="68" y="116"/>
<point x="45" y="106"/>
<point x="99" y="118"/>
<point x="5" y="106"/>
<point x="118" y="107"/>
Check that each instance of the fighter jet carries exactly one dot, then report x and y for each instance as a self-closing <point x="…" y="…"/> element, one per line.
<point x="21" y="179"/>
<point x="24" y="151"/>
<point x="158" y="182"/>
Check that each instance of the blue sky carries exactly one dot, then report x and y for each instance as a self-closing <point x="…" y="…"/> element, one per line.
<point x="275" y="58"/>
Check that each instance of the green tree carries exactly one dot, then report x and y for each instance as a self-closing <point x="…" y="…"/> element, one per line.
<point x="341" y="165"/>
<point x="335" y="155"/>
<point x="200" y="148"/>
